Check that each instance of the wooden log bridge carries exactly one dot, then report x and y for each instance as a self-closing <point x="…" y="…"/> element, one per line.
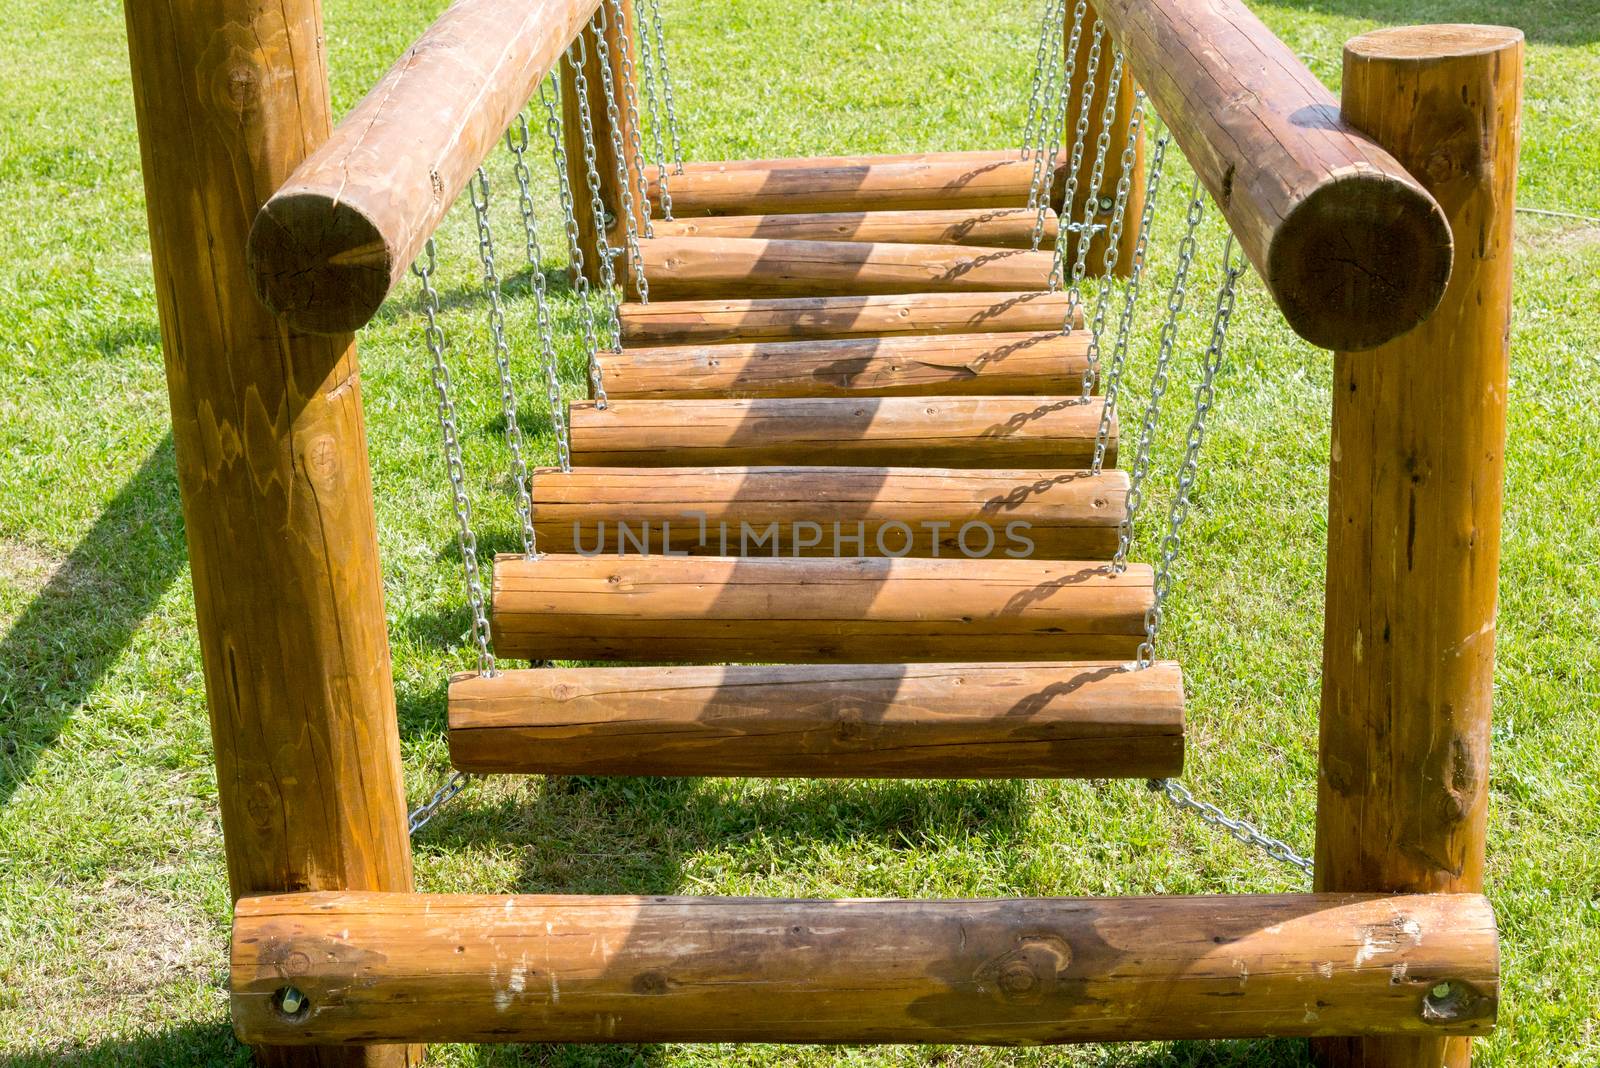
<point x="332" y="241"/>
<point x="371" y="967"/>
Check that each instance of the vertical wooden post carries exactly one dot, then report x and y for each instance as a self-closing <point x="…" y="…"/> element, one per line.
<point x="618" y="36"/>
<point x="1414" y="506"/>
<point x="272" y="463"/>
<point x="1119" y="140"/>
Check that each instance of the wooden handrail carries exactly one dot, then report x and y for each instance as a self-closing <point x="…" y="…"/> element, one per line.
<point x="1354" y="250"/>
<point x="327" y="248"/>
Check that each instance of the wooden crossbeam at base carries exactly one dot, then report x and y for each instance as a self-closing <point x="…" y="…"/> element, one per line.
<point x="789" y="318"/>
<point x="911" y="721"/>
<point x="375" y="967"/>
<point x="686" y="268"/>
<point x="860" y="184"/>
<point x="977" y="157"/>
<point x="964" y="432"/>
<point x="995" y="227"/>
<point x="829" y="511"/>
<point x="1032" y="363"/>
<point x="812" y="610"/>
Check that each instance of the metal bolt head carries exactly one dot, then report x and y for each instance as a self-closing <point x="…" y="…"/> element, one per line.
<point x="1105" y="204"/>
<point x="291" y="1001"/>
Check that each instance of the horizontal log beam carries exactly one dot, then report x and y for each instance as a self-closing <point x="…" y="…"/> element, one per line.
<point x="978" y="157"/>
<point x="435" y="968"/>
<point x="841" y="431"/>
<point x="1021" y="364"/>
<point x="816" y="611"/>
<point x="1354" y="250"/>
<point x="1064" y="515"/>
<point x="865" y="186"/>
<point x="994" y="227"/>
<point x="329" y="245"/>
<point x="689" y="268"/>
<point x="791" y="318"/>
<point x="938" y="721"/>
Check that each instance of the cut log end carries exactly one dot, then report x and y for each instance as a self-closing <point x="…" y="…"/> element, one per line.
<point x="1360" y="262"/>
<point x="1427" y="44"/>
<point x="321" y="265"/>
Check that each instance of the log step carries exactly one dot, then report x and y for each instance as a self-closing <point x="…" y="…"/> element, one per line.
<point x="1012" y="364"/>
<point x="907" y="721"/>
<point x="863" y="184"/>
<point x="812" y="610"/>
<point x="976" y="157"/>
<point x="830" y="511"/>
<point x="686" y="268"/>
<point x="368" y="966"/>
<point x="965" y="432"/>
<point x="995" y="227"/>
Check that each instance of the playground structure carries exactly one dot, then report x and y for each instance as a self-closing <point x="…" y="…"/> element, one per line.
<point x="877" y="340"/>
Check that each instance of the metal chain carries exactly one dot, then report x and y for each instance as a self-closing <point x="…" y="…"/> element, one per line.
<point x="1080" y="139"/>
<point x="1130" y="298"/>
<point x="1087" y="229"/>
<point x="479" y="191"/>
<point x="420" y="816"/>
<point x="577" y="55"/>
<point x="455" y="469"/>
<point x="1158" y="382"/>
<point x="1242" y="829"/>
<point x="1118" y="208"/>
<point x="630" y="100"/>
<point x="647" y="67"/>
<point x="580" y="281"/>
<point x="1041" y="187"/>
<point x="630" y="228"/>
<point x="1205" y="395"/>
<point x="548" y="359"/>
<point x="666" y="91"/>
<point x="1043" y="55"/>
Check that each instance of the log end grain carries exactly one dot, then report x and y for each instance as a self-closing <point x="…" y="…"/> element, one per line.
<point x="322" y="265"/>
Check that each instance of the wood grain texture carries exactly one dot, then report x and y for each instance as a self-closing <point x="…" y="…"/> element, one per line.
<point x="841" y="431"/>
<point x="328" y="246"/>
<point x="1018" y="972"/>
<point x="618" y="35"/>
<point x="1118" y="133"/>
<point x="936" y="721"/>
<point x="994" y="227"/>
<point x="1352" y="248"/>
<point x="272" y="467"/>
<point x="976" y="157"/>
<point x="691" y="268"/>
<point x="791" y="318"/>
<point x="994" y="364"/>
<point x="1419" y="431"/>
<point x="816" y="610"/>
<point x="870" y="185"/>
<point x="830" y="511"/>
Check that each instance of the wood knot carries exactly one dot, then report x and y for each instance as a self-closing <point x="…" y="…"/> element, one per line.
<point x="1029" y="972"/>
<point x="650" y="983"/>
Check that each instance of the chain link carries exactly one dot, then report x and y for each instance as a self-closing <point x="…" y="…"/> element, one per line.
<point x="548" y="359"/>
<point x="420" y="816"/>
<point x="1041" y="187"/>
<point x="1205" y="395"/>
<point x="1044" y="55"/>
<point x="1080" y="138"/>
<point x="1158" y="381"/>
<point x="1239" y="828"/>
<point x="1130" y="299"/>
<point x="666" y="90"/>
<point x="580" y="281"/>
<point x="630" y="227"/>
<point x="577" y="56"/>
<point x="1108" y="263"/>
<point x="630" y="101"/>
<point x="455" y="469"/>
<point x="647" y="66"/>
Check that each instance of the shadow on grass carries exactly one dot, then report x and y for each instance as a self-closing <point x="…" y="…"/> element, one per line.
<point x="1558" y="22"/>
<point x="76" y="628"/>
<point x="187" y="1046"/>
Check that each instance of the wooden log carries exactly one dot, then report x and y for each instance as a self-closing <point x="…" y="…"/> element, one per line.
<point x="978" y="157"/>
<point x="841" y="431"/>
<point x="868" y="186"/>
<point x="790" y="318"/>
<point x="329" y="245"/>
<point x="1352" y="248"/>
<point x="618" y="36"/>
<point x="1104" y="195"/>
<point x="674" y="609"/>
<point x="1039" y="362"/>
<point x="688" y="268"/>
<point x="902" y="721"/>
<point x="1065" y="515"/>
<point x="992" y="227"/>
<point x="1419" y="432"/>
<point x="271" y="460"/>
<point x="1020" y="972"/>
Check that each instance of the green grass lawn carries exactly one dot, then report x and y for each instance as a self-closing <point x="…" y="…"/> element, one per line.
<point x="113" y="900"/>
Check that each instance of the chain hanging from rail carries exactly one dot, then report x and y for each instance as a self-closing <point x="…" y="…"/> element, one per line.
<point x="619" y="146"/>
<point x="667" y="94"/>
<point x="577" y="57"/>
<point x="1044" y="59"/>
<point x="1087" y="228"/>
<point x="647" y="67"/>
<point x="1052" y="118"/>
<point x="1113" y="251"/>
<point x="1080" y="139"/>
